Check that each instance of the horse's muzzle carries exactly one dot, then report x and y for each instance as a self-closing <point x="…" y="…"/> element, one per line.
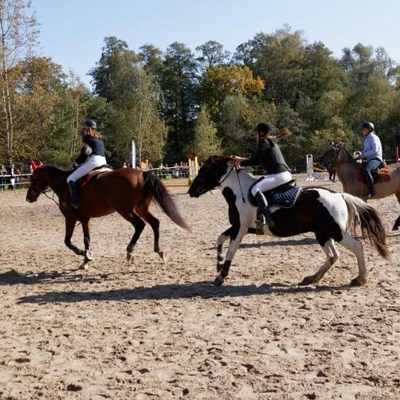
<point x="32" y="196"/>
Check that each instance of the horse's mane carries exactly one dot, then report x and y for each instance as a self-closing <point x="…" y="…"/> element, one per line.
<point x="348" y="154"/>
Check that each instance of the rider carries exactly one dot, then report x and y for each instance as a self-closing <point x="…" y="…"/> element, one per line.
<point x="372" y="153"/>
<point x="91" y="156"/>
<point x="270" y="157"/>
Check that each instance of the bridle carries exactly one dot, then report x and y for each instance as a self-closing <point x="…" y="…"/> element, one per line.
<point x="226" y="176"/>
<point x="47" y="188"/>
<point x="334" y="161"/>
<point x="237" y="174"/>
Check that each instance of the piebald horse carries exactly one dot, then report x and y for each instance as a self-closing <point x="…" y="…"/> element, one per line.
<point x="126" y="191"/>
<point x="338" y="158"/>
<point x="331" y="216"/>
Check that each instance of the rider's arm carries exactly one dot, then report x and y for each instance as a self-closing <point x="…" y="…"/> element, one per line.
<point x="86" y="151"/>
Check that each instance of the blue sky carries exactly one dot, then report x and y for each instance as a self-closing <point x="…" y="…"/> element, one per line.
<point x="73" y="31"/>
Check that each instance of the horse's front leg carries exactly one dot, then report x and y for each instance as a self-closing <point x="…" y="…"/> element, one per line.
<point x="233" y="246"/>
<point x="222" y="238"/>
<point x="86" y="239"/>
<point x="69" y="230"/>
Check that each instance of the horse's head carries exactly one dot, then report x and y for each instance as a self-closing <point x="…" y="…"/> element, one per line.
<point x="329" y="158"/>
<point x="38" y="182"/>
<point x="210" y="175"/>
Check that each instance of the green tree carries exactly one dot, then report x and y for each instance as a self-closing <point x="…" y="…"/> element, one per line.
<point x="179" y="84"/>
<point x="212" y="54"/>
<point x="134" y="99"/>
<point x="18" y="35"/>
<point x="205" y="142"/>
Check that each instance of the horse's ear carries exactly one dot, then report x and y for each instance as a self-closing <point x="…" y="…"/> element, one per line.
<point x="40" y="164"/>
<point x="33" y="165"/>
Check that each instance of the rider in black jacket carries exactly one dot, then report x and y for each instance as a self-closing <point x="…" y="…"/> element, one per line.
<point x="270" y="157"/>
<point x="91" y="156"/>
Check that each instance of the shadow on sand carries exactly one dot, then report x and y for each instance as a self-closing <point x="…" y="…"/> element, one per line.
<point x="204" y="290"/>
<point x="13" y="277"/>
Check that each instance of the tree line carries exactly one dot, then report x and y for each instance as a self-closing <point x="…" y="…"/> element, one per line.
<point x="183" y="101"/>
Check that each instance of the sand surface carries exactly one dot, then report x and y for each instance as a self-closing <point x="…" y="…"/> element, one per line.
<point x="161" y="330"/>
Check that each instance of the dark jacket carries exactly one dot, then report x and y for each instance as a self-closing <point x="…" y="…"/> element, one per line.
<point x="269" y="156"/>
<point x="93" y="146"/>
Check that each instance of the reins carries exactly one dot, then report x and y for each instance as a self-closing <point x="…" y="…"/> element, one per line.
<point x="226" y="177"/>
<point x="240" y="184"/>
<point x="48" y="188"/>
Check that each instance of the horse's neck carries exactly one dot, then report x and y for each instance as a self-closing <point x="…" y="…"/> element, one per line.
<point x="57" y="180"/>
<point x="239" y="182"/>
<point x="346" y="169"/>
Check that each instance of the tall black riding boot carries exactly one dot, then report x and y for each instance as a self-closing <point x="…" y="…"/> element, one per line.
<point x="264" y="215"/>
<point x="370" y="184"/>
<point x="74" y="202"/>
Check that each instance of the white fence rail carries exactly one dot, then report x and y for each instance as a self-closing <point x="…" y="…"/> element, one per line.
<point x="11" y="182"/>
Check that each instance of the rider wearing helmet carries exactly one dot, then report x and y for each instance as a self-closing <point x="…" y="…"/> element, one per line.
<point x="372" y="154"/>
<point x="270" y="157"/>
<point x="92" y="156"/>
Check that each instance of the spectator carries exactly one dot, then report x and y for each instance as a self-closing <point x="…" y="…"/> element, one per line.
<point x="3" y="180"/>
<point x="125" y="165"/>
<point x="14" y="179"/>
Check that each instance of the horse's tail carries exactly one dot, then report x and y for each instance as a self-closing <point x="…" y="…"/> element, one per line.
<point x="156" y="191"/>
<point x="362" y="215"/>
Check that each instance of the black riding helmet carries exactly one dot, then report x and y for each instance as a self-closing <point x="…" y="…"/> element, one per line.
<point x="90" y="124"/>
<point x="264" y="127"/>
<point x="368" y="125"/>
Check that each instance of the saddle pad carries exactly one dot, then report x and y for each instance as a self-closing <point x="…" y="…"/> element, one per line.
<point x="283" y="197"/>
<point x="381" y="175"/>
<point x="91" y="174"/>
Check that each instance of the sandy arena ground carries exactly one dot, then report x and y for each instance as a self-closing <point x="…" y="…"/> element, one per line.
<point x="155" y="330"/>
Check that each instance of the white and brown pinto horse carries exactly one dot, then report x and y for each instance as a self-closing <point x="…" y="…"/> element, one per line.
<point x="338" y="158"/>
<point x="331" y="216"/>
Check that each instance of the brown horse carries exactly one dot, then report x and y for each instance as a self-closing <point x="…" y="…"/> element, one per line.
<point x="338" y="158"/>
<point x="126" y="191"/>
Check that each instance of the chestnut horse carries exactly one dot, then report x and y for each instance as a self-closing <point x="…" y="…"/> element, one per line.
<point x="338" y="158"/>
<point x="126" y="191"/>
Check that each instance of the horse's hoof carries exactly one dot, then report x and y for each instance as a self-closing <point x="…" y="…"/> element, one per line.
<point x="162" y="255"/>
<point x="129" y="257"/>
<point x="84" y="265"/>
<point x="357" y="283"/>
<point x="88" y="255"/>
<point x="219" y="280"/>
<point x="308" y="280"/>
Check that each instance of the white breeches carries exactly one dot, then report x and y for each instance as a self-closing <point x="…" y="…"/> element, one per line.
<point x="271" y="182"/>
<point x="91" y="163"/>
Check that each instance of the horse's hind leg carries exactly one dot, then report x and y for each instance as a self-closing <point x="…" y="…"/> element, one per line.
<point x="86" y="239"/>
<point x="139" y="225"/>
<point x="357" y="248"/>
<point x="143" y="211"/>
<point x="328" y="246"/>
<point x="397" y="223"/>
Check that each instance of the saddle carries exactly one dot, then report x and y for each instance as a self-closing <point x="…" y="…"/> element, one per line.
<point x="97" y="171"/>
<point x="382" y="174"/>
<point x="282" y="196"/>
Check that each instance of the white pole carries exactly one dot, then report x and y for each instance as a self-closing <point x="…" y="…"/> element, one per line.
<point x="133" y="159"/>
<point x="309" y="165"/>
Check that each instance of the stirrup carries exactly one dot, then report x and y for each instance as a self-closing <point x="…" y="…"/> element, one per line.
<point x="73" y="205"/>
<point x="264" y="226"/>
